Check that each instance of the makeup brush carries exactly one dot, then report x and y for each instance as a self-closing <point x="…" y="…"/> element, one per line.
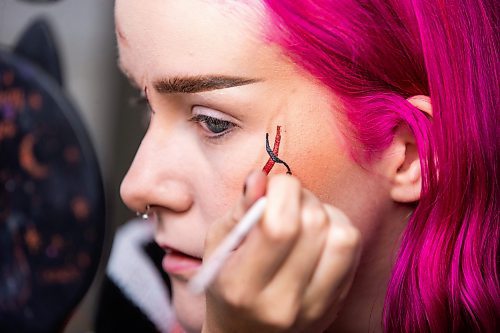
<point x="212" y="266"/>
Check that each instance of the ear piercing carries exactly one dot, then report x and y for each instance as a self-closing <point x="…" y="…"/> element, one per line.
<point x="144" y="215"/>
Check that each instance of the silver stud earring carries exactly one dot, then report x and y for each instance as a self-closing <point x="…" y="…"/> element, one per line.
<point x="144" y="215"/>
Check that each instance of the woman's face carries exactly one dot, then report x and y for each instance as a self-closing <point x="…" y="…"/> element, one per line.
<point x="216" y="87"/>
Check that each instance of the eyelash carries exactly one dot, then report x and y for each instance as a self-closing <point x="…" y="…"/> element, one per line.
<point x="206" y="121"/>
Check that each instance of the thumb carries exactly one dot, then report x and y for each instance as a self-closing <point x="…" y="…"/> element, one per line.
<point x="254" y="188"/>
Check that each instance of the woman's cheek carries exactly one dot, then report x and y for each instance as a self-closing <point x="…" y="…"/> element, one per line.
<point x="315" y="151"/>
<point x="229" y="164"/>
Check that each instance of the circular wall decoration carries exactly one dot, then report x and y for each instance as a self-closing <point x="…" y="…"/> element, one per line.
<point x="52" y="214"/>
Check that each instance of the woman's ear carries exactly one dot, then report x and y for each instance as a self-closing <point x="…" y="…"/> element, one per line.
<point x="405" y="171"/>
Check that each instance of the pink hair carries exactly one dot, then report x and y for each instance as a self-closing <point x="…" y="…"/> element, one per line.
<point x="374" y="54"/>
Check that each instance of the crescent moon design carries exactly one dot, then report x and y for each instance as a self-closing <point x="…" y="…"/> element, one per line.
<point x="27" y="158"/>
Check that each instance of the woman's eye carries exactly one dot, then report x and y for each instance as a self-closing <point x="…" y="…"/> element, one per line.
<point x="213" y="125"/>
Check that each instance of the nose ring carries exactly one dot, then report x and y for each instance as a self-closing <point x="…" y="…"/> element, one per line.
<point x="144" y="215"/>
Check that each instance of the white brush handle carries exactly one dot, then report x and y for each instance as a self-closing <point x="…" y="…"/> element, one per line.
<point x="212" y="266"/>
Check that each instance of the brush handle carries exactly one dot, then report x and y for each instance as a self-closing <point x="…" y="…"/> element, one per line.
<point x="212" y="266"/>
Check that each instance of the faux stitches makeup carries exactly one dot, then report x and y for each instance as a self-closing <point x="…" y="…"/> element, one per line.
<point x="273" y="153"/>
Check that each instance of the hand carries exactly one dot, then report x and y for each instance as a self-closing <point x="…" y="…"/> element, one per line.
<point x="293" y="270"/>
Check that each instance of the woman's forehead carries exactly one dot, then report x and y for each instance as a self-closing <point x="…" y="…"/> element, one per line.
<point x="191" y="37"/>
<point x="173" y="17"/>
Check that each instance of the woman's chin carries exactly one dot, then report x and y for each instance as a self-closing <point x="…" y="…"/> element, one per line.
<point x="189" y="308"/>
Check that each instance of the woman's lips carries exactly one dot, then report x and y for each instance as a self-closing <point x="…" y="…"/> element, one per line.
<point x="179" y="263"/>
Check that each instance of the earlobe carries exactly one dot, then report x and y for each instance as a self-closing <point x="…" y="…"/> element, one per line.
<point x="407" y="179"/>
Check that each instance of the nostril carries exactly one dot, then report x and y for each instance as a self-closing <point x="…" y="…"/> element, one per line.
<point x="174" y="197"/>
<point x="167" y="193"/>
<point x="145" y="214"/>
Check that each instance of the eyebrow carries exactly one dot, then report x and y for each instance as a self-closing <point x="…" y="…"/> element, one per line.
<point x="201" y="83"/>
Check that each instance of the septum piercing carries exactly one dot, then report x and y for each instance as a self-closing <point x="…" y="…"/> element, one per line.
<point x="144" y="215"/>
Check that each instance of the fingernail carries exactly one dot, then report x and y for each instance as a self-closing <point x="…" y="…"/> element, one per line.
<point x="247" y="180"/>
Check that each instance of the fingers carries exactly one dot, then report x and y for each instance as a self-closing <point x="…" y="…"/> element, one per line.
<point x="336" y="267"/>
<point x="296" y="264"/>
<point x="254" y="188"/>
<point x="297" y="271"/>
<point x="268" y="245"/>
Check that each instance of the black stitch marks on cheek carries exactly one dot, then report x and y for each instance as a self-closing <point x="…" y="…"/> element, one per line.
<point x="273" y="153"/>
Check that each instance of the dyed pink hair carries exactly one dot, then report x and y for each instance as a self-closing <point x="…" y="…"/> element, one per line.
<point x="374" y="54"/>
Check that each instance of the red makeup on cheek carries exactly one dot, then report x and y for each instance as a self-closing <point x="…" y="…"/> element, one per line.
<point x="273" y="154"/>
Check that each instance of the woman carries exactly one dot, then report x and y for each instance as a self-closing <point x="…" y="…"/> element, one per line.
<point x="385" y="112"/>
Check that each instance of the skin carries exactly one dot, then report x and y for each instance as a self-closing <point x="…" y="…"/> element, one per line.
<point x="322" y="254"/>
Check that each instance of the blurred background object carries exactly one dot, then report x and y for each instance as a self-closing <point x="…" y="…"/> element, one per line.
<point x="52" y="216"/>
<point x="84" y="36"/>
<point x="40" y="1"/>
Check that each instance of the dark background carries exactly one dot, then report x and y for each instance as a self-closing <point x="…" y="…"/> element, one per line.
<point x="84" y="33"/>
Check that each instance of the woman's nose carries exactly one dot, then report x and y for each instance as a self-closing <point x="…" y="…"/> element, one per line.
<point x="157" y="176"/>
